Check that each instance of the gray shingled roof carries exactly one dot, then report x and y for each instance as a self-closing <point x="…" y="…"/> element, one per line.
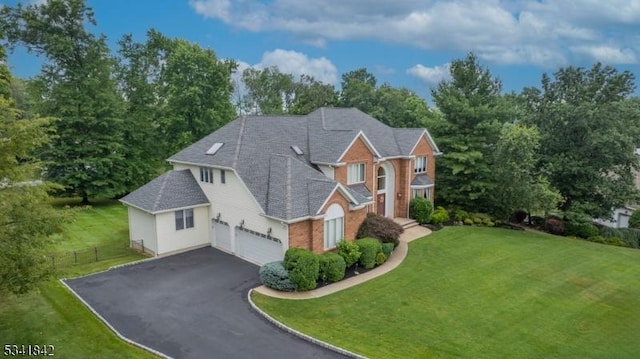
<point x="407" y="138"/>
<point x="360" y="192"/>
<point x="171" y="190"/>
<point x="421" y="180"/>
<point x="284" y="184"/>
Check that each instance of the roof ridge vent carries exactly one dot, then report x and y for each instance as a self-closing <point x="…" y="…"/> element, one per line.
<point x="216" y="146"/>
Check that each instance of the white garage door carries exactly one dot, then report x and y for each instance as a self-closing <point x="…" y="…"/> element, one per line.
<point x="257" y="247"/>
<point x="221" y="235"/>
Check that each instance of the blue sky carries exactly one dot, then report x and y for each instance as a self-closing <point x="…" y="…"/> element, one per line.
<point x="403" y="42"/>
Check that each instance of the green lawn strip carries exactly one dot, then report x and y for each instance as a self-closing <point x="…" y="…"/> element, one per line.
<point x="54" y="316"/>
<point x="485" y="293"/>
<point x="101" y="224"/>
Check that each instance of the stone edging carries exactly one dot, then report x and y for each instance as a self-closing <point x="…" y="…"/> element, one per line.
<point x="122" y="337"/>
<point x="300" y="334"/>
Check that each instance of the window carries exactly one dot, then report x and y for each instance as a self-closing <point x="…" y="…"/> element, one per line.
<point x="206" y="174"/>
<point x="333" y="226"/>
<point x="424" y="193"/>
<point x="355" y="173"/>
<point x="184" y="219"/>
<point x="421" y="165"/>
<point x="223" y="176"/>
<point x="382" y="179"/>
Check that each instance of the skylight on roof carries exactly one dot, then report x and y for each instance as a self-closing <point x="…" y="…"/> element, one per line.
<point x="216" y="146"/>
<point x="297" y="150"/>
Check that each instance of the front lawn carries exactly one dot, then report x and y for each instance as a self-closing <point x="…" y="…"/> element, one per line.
<point x="485" y="293"/>
<point x="54" y="316"/>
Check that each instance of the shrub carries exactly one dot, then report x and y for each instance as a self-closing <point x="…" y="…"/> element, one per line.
<point x="468" y="221"/>
<point x="537" y="221"/>
<point x="631" y="236"/>
<point x="634" y="220"/>
<point x="303" y="267"/>
<point x="460" y="215"/>
<point x="420" y="209"/>
<point x="614" y="241"/>
<point x="519" y="216"/>
<point x="380" y="227"/>
<point x="274" y="275"/>
<point x="476" y="220"/>
<point x="349" y="251"/>
<point x="440" y="215"/>
<point x="380" y="258"/>
<point x="332" y="267"/>
<point x="555" y="226"/>
<point x="387" y="248"/>
<point x="582" y="230"/>
<point x="369" y="249"/>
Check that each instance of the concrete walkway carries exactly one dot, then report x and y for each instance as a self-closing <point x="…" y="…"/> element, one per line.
<point x="394" y="260"/>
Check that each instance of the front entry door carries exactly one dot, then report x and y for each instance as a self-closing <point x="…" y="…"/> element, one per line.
<point x="381" y="204"/>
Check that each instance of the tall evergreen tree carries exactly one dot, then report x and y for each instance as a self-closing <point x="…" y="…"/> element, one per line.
<point x="474" y="111"/>
<point x="77" y="87"/>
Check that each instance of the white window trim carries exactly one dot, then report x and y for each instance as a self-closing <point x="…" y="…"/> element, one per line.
<point x="183" y="213"/>
<point x="333" y="226"/>
<point x="359" y="172"/>
<point x="206" y="174"/>
<point x="418" y="166"/>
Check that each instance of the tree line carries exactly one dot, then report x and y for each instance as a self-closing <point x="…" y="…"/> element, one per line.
<point x="100" y="124"/>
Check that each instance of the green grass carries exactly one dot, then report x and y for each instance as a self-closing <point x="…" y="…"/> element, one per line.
<point x="53" y="315"/>
<point x="469" y="292"/>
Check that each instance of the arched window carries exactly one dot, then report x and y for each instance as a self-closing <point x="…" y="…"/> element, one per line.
<point x="333" y="225"/>
<point x="382" y="178"/>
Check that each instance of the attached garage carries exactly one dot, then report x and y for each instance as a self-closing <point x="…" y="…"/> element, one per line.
<point x="221" y="235"/>
<point x="257" y="247"/>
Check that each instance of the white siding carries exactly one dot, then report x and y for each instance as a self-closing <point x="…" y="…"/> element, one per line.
<point x="172" y="240"/>
<point x="327" y="170"/>
<point x="234" y="203"/>
<point x="142" y="226"/>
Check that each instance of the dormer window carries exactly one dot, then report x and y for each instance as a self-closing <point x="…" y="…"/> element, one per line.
<point x="216" y="146"/>
<point x="206" y="174"/>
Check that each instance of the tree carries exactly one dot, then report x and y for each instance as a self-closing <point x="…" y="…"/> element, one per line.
<point x="26" y="218"/>
<point x="589" y="129"/>
<point x="269" y="91"/>
<point x="77" y="87"/>
<point x="517" y="185"/>
<point x="358" y="90"/>
<point x="473" y="111"/>
<point x="311" y="94"/>
<point x="176" y="91"/>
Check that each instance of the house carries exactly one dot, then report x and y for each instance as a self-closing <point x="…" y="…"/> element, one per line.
<point x="262" y="184"/>
<point x="620" y="216"/>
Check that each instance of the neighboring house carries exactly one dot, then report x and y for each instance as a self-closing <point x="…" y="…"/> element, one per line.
<point x="262" y="184"/>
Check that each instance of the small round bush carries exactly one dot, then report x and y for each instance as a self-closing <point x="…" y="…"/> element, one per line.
<point x="380" y="227"/>
<point x="387" y="248"/>
<point x="420" y="209"/>
<point x="369" y="248"/>
<point x="380" y="258"/>
<point x="460" y="215"/>
<point x="332" y="267"/>
<point x="274" y="275"/>
<point x="615" y="241"/>
<point x="555" y="226"/>
<point x="349" y="251"/>
<point x="468" y="221"/>
<point x="439" y="216"/>
<point x="597" y="239"/>
<point x="476" y="220"/>
<point x="584" y="230"/>
<point x="304" y="268"/>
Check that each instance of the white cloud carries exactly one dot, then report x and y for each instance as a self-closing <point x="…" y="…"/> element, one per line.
<point x="430" y="75"/>
<point x="503" y="31"/>
<point x="294" y="63"/>
<point x="607" y="54"/>
<point x="384" y="70"/>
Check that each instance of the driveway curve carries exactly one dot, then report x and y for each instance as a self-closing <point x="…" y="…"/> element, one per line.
<point x="191" y="305"/>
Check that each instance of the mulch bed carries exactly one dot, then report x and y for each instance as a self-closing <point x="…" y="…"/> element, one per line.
<point x="349" y="272"/>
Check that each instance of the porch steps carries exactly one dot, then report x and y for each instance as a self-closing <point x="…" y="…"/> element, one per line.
<point x="406" y="223"/>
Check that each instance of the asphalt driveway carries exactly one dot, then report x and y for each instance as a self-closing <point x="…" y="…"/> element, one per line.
<point x="191" y="305"/>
